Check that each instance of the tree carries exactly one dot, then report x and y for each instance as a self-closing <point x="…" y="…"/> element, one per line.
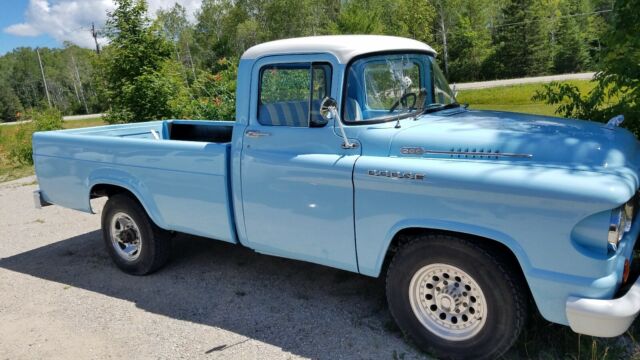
<point x="10" y="106"/>
<point x="522" y="44"/>
<point x="138" y="75"/>
<point x="469" y="38"/>
<point x="572" y="53"/>
<point x="177" y="30"/>
<point x="617" y="89"/>
<point x="360" y="17"/>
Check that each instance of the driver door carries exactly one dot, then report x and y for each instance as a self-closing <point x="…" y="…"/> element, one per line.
<point x="297" y="188"/>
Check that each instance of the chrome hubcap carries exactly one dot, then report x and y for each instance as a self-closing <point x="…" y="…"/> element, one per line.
<point x="125" y="236"/>
<point x="447" y="301"/>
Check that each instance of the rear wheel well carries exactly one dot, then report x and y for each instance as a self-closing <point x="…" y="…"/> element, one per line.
<point x="109" y="190"/>
<point x="492" y="246"/>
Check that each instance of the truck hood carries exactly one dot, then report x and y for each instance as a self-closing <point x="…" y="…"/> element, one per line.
<point x="504" y="136"/>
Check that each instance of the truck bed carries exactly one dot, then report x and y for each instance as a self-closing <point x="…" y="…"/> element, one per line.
<point x="178" y="169"/>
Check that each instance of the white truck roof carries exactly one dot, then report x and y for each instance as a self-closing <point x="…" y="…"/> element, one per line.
<point x="343" y="47"/>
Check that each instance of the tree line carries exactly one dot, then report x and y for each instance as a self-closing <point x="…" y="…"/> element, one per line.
<point x="178" y="66"/>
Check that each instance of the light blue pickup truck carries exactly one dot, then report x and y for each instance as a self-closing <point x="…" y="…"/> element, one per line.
<point x="351" y="152"/>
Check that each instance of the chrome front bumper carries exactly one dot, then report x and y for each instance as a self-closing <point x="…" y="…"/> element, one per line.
<point x="38" y="201"/>
<point x="604" y="318"/>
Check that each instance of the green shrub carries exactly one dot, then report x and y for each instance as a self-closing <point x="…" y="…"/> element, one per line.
<point x="21" y="151"/>
<point x="212" y="96"/>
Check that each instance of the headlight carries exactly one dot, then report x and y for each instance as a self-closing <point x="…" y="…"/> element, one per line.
<point x="616" y="226"/>
<point x="629" y="212"/>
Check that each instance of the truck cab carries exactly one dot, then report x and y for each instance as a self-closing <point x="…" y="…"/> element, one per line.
<point x="352" y="152"/>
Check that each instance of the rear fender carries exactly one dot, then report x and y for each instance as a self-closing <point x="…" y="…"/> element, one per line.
<point x="130" y="183"/>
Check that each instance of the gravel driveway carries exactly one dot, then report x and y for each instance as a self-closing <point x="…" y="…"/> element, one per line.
<point x="61" y="297"/>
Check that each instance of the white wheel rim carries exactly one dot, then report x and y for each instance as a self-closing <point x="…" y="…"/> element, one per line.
<point x="125" y="236"/>
<point x="448" y="302"/>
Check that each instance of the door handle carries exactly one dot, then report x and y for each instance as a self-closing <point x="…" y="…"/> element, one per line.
<point x="256" y="134"/>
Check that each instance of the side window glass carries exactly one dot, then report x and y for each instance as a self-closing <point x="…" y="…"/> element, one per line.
<point x="321" y="88"/>
<point x="290" y="94"/>
<point x="284" y="95"/>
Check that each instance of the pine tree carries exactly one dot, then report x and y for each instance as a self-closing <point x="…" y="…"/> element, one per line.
<point x="523" y="46"/>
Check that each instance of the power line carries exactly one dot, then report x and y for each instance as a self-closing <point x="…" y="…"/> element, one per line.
<point x="555" y="17"/>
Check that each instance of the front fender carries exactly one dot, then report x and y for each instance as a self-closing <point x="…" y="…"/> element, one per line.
<point x="440" y="225"/>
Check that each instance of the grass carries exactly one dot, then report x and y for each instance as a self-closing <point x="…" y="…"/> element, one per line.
<point x="544" y="340"/>
<point x="10" y="170"/>
<point x="515" y="98"/>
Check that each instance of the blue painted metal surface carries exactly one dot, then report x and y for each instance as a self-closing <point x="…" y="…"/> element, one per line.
<point x="183" y="185"/>
<point x="297" y="193"/>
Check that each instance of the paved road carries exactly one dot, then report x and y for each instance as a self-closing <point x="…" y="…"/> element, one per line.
<point x="82" y="117"/>
<point x="61" y="298"/>
<point x="529" y="80"/>
<point x="65" y="118"/>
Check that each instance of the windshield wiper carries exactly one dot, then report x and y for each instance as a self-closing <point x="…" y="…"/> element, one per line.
<point x="437" y="107"/>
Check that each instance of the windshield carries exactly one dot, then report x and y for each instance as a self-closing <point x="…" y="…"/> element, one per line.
<point x="389" y="87"/>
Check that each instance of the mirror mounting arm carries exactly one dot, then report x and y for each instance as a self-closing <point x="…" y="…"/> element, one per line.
<point x="329" y="110"/>
<point x="346" y="144"/>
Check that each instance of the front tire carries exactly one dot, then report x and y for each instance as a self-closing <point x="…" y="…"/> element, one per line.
<point x="455" y="299"/>
<point x="136" y="245"/>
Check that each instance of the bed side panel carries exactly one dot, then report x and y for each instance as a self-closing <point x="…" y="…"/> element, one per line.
<point x="182" y="185"/>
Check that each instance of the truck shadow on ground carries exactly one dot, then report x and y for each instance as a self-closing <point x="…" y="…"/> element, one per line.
<point x="306" y="309"/>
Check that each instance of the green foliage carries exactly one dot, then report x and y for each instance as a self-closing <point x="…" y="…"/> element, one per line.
<point x="521" y="41"/>
<point x="68" y="71"/>
<point x="168" y="67"/>
<point x="572" y="49"/>
<point x="211" y="96"/>
<point x="138" y="78"/>
<point x="470" y="43"/>
<point x="10" y="105"/>
<point x="20" y="150"/>
<point x="617" y="89"/>
<point x="288" y="84"/>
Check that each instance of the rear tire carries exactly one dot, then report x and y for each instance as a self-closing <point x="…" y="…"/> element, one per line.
<point x="454" y="298"/>
<point x="134" y="242"/>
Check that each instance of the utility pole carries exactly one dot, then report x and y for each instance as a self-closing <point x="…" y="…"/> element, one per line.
<point x="193" y="69"/>
<point x="84" y="101"/>
<point x="443" y="32"/>
<point x="44" y="80"/>
<point x="94" y="33"/>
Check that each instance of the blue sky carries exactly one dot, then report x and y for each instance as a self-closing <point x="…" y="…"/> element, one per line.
<point x="51" y="22"/>
<point x="13" y="12"/>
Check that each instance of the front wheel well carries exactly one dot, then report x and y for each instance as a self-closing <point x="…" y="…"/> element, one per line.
<point x="494" y="247"/>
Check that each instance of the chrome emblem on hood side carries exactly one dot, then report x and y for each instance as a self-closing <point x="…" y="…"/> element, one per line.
<point x="473" y="153"/>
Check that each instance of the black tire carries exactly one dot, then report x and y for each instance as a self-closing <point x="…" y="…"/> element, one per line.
<point x="155" y="243"/>
<point x="505" y="297"/>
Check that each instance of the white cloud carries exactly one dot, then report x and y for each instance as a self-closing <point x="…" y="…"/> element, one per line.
<point x="70" y="20"/>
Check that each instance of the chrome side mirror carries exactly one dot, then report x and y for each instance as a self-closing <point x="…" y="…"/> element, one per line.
<point x="328" y="107"/>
